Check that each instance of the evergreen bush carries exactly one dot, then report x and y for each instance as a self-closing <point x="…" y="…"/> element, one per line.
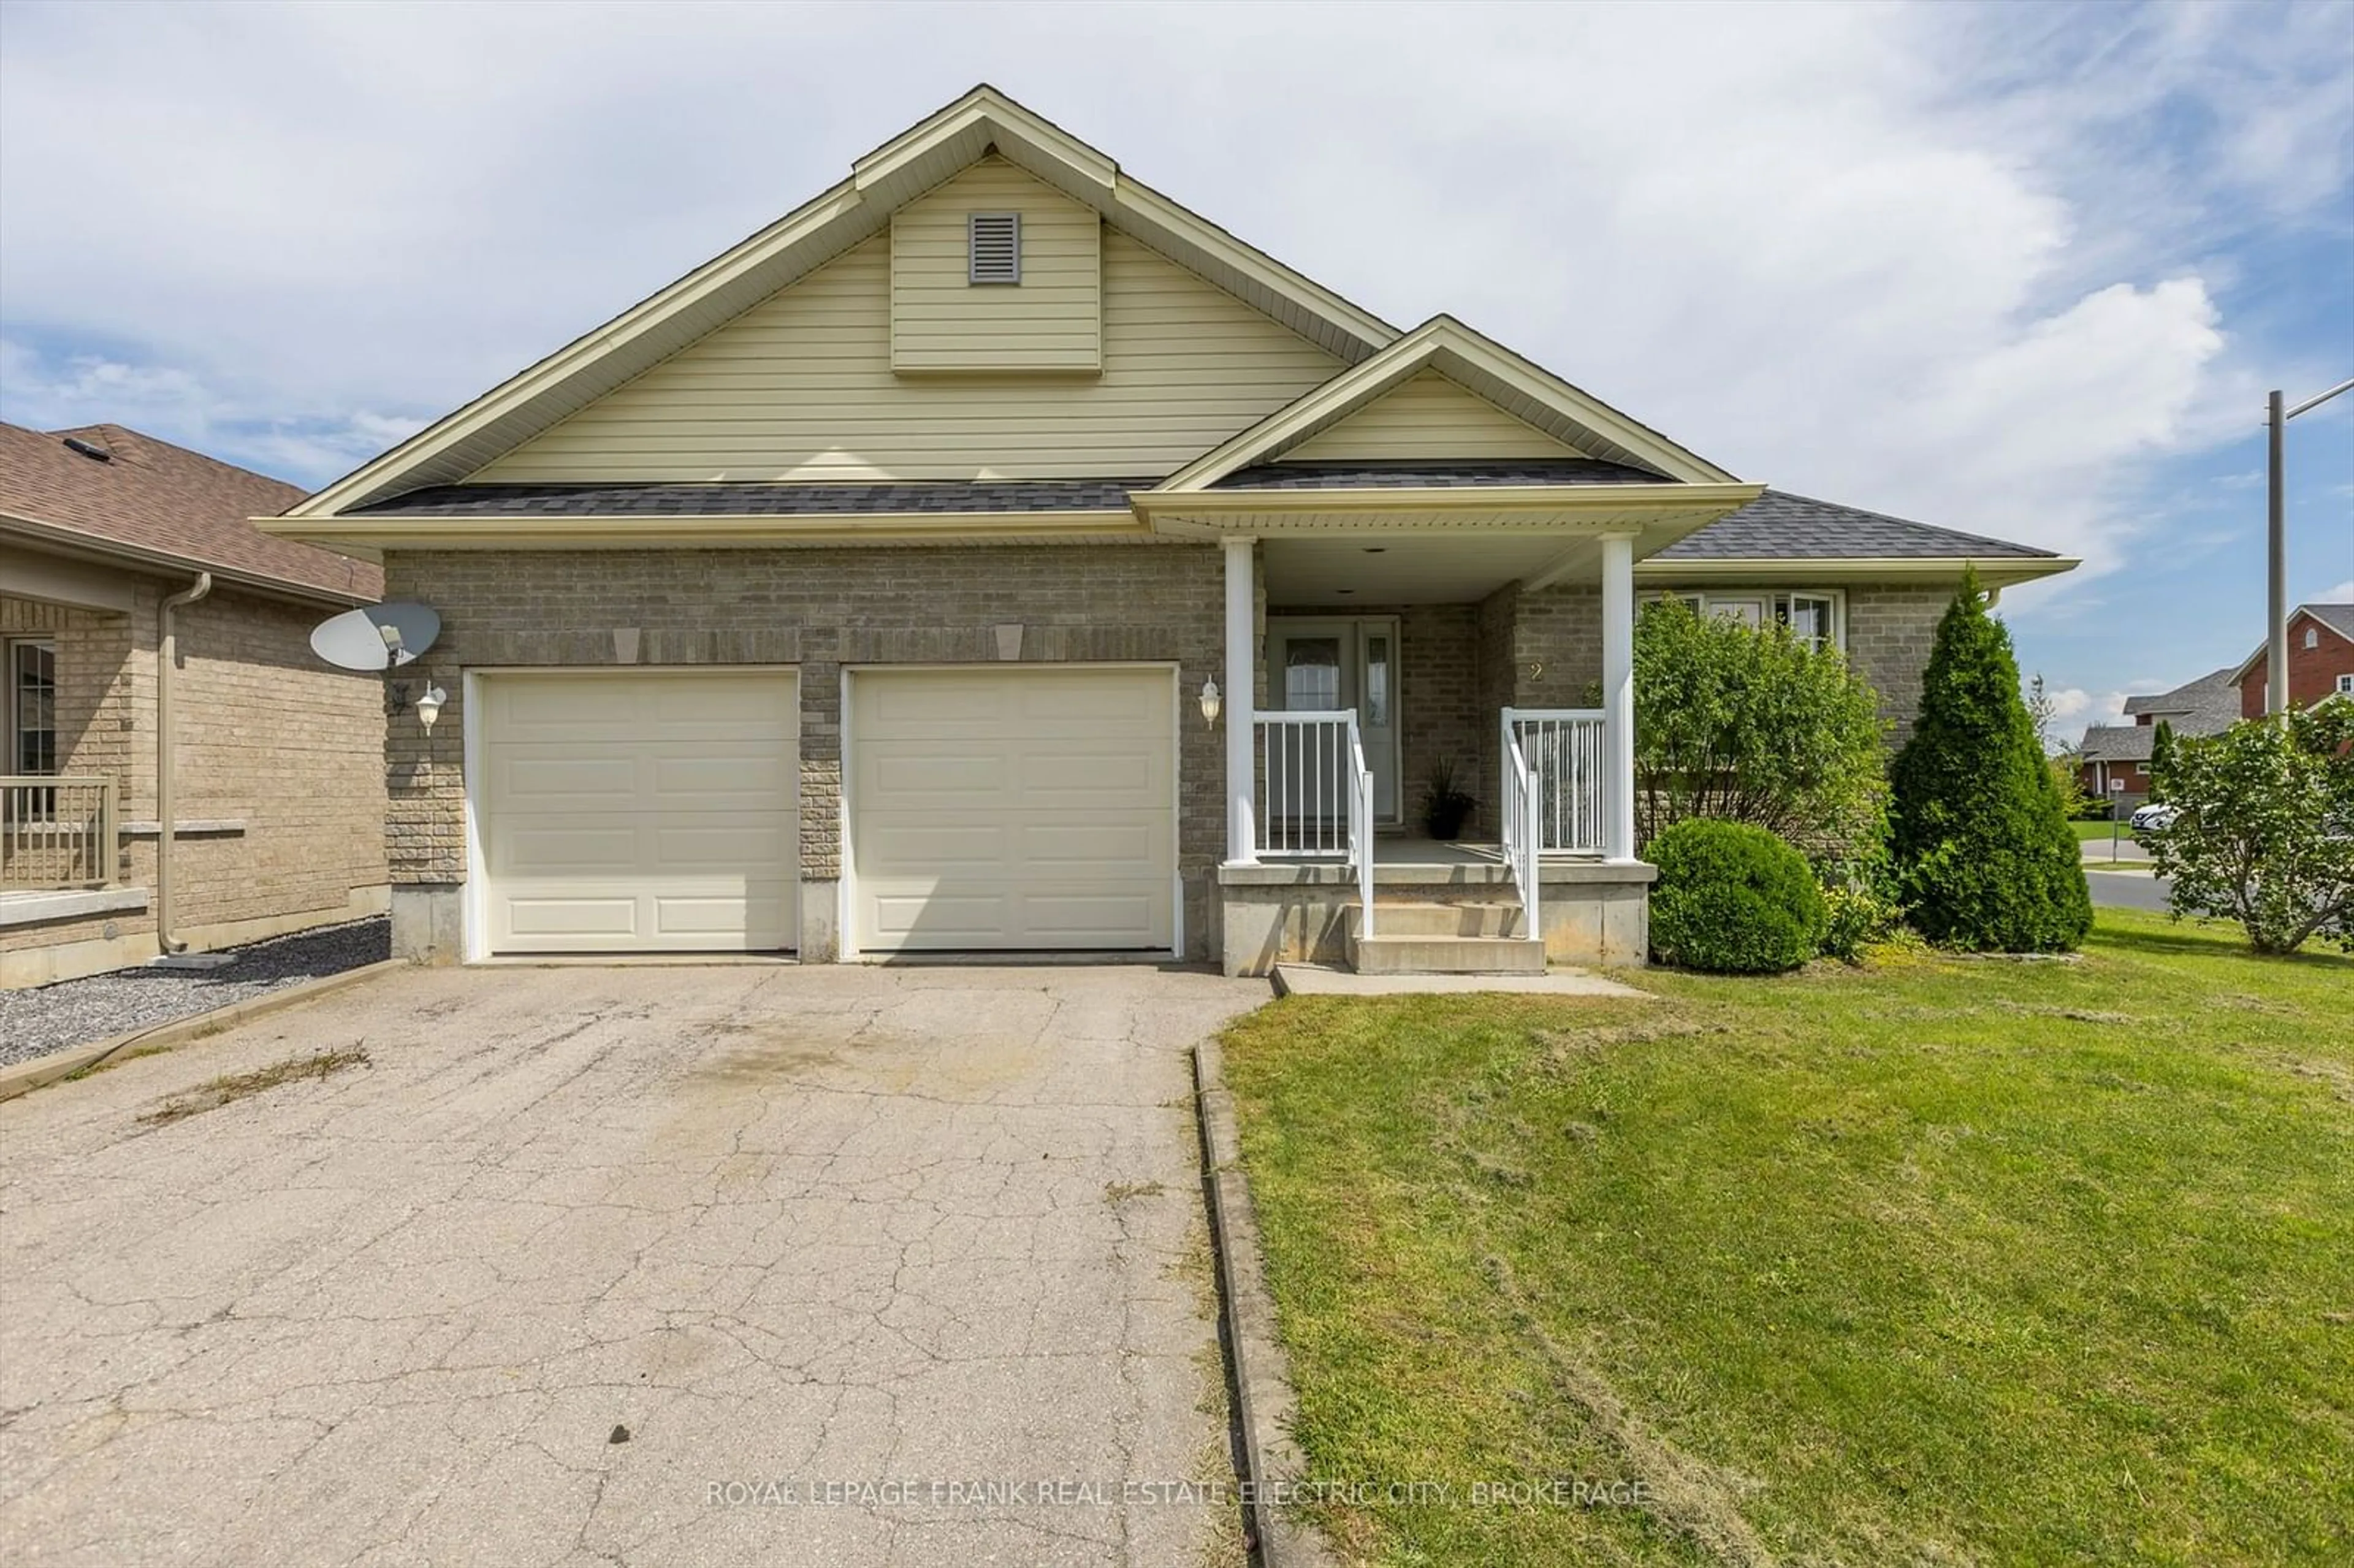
<point x="1987" y="860"/>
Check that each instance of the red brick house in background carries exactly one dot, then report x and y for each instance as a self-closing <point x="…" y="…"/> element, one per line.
<point x="2320" y="660"/>
<point x="2120" y="753"/>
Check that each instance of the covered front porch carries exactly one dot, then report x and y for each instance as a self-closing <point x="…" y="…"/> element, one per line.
<point x="1364" y="665"/>
<point x="1429" y="575"/>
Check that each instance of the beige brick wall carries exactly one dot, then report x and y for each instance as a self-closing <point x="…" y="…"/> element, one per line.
<point x="1889" y="632"/>
<point x="818" y="609"/>
<point x="267" y="736"/>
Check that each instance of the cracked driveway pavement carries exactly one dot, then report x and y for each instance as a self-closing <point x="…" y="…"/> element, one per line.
<point x="839" y="1225"/>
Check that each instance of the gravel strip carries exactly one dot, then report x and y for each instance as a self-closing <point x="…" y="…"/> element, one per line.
<point x="73" y="1013"/>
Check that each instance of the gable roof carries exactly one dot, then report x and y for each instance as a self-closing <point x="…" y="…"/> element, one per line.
<point x="165" y="506"/>
<point x="2119" y="743"/>
<point x="2208" y="705"/>
<point x="2336" y="617"/>
<point x="981" y="121"/>
<point x="1479" y="365"/>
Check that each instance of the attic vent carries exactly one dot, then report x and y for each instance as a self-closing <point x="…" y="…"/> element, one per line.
<point x="89" y="449"/>
<point x="995" y="248"/>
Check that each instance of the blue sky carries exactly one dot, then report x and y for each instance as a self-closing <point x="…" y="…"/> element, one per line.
<point x="2023" y="270"/>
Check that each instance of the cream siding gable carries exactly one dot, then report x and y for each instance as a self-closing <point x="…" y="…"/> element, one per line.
<point x="800" y="387"/>
<point x="1050" y="320"/>
<point x="1429" y="416"/>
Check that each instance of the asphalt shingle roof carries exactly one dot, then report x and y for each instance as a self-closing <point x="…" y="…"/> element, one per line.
<point x="1779" y="526"/>
<point x="2339" y="618"/>
<point x="153" y="495"/>
<point x="2208" y="705"/>
<point x="1776" y="527"/>
<point x="744" y="499"/>
<point x="1432" y="475"/>
<point x="2119" y="742"/>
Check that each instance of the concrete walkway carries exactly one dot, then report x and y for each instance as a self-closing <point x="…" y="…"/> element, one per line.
<point x="817" y="1238"/>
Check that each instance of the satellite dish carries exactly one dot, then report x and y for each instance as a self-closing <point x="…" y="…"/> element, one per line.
<point x="375" y="636"/>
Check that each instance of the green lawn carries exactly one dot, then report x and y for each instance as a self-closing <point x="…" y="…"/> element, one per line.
<point x="1947" y="1261"/>
<point x="2090" y="832"/>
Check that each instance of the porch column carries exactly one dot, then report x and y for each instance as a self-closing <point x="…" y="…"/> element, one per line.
<point x="1241" y="696"/>
<point x="1619" y="697"/>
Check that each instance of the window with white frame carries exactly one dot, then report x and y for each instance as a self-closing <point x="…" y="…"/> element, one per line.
<point x="2346" y="686"/>
<point x="1817" y="616"/>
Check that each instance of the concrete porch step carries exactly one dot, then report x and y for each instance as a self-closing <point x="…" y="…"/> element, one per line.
<point x="1423" y="919"/>
<point x="1383" y="954"/>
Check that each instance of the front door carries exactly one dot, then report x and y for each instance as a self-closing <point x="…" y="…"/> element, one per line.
<point x="1330" y="663"/>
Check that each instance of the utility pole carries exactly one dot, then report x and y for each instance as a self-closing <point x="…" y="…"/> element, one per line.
<point x="2276" y="420"/>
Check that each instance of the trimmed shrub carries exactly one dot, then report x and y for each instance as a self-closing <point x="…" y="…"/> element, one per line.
<point x="1750" y="725"/>
<point x="1987" y="860"/>
<point x="1732" y="899"/>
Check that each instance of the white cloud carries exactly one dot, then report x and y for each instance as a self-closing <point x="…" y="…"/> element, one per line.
<point x="1930" y="259"/>
<point x="56" y="392"/>
<point x="2074" y="709"/>
<point x="2337" y="593"/>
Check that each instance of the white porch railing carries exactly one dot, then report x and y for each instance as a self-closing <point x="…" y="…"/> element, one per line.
<point x="1360" y="828"/>
<point x="1315" y="794"/>
<point x="1522" y="829"/>
<point x="1563" y="748"/>
<point x="57" y="832"/>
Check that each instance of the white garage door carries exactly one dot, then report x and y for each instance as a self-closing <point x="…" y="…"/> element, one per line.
<point x="1013" y="809"/>
<point x="640" y="812"/>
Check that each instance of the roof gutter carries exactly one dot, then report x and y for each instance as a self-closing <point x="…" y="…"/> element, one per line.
<point x="168" y="654"/>
<point x="1539" y="503"/>
<point x="72" y="542"/>
<point x="1800" y="570"/>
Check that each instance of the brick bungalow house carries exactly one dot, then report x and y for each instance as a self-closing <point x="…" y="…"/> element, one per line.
<point x="277" y="779"/>
<point x="994" y="554"/>
<point x="2120" y="753"/>
<point x="2320" y="660"/>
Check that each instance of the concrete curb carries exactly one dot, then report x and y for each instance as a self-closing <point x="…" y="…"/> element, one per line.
<point x="1264" y="1400"/>
<point x="24" y="1076"/>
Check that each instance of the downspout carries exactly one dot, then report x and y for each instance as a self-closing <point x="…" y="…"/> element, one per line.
<point x="166" y="655"/>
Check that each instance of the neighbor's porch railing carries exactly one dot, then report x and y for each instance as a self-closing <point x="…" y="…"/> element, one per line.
<point x="57" y="832"/>
<point x="1564" y="748"/>
<point x="1315" y="794"/>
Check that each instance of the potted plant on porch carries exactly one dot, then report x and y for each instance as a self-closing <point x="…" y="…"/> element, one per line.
<point x="1445" y="807"/>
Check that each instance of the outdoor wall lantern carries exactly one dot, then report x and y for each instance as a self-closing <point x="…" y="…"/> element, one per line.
<point x="1211" y="702"/>
<point x="428" y="706"/>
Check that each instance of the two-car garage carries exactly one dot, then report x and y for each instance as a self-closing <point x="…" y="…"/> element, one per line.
<point x="985" y="808"/>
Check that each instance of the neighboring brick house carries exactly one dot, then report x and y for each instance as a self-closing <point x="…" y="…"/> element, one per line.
<point x="2119" y="753"/>
<point x="2320" y="660"/>
<point x="278" y="774"/>
<point x="992" y="555"/>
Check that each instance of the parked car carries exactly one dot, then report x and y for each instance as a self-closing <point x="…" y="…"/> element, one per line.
<point x="2154" y="818"/>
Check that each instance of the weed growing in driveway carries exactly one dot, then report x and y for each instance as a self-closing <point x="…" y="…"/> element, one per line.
<point x="231" y="1086"/>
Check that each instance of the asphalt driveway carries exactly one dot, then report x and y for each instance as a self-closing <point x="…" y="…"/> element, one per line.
<point x="827" y="1243"/>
